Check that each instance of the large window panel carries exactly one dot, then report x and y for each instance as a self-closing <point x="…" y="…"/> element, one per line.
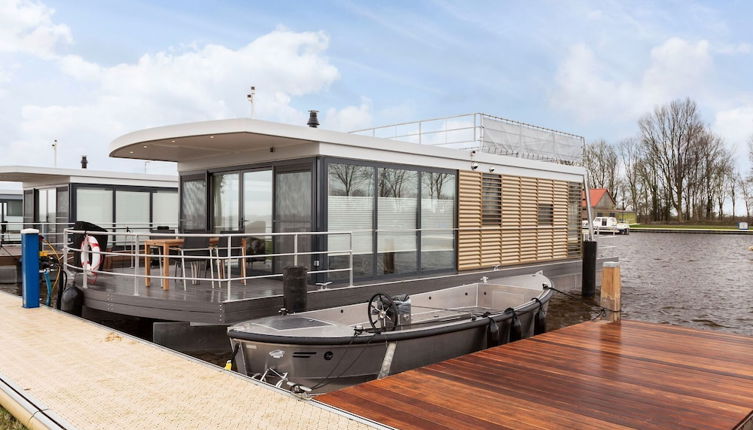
<point x="257" y="217"/>
<point x="165" y="208"/>
<point x="194" y="204"/>
<point x="350" y="207"/>
<point x="94" y="205"/>
<point x="437" y="221"/>
<point x="397" y="205"/>
<point x="132" y="211"/>
<point x="293" y="214"/>
<point x="28" y="206"/>
<point x="226" y="194"/>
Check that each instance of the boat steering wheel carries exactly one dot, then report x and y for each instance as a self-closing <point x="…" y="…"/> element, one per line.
<point x="382" y="313"/>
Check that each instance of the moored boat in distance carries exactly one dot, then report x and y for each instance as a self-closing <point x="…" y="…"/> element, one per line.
<point x="323" y="350"/>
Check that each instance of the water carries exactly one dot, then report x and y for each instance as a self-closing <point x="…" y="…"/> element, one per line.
<point x="695" y="280"/>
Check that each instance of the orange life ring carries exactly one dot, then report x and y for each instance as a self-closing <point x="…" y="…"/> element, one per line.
<point x="90" y="245"/>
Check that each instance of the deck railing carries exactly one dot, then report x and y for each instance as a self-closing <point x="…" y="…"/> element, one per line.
<point x="53" y="232"/>
<point x="138" y="246"/>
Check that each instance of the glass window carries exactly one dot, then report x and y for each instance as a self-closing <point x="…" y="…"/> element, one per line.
<point x="350" y="207"/>
<point x="132" y="211"/>
<point x="257" y="217"/>
<point x="14" y="208"/>
<point x="546" y="214"/>
<point x="94" y="205"/>
<point x="62" y="205"/>
<point x="437" y="221"/>
<point x="28" y="206"/>
<point x="491" y="199"/>
<point x="165" y="209"/>
<point x="194" y="204"/>
<point x="226" y="194"/>
<point x="293" y="213"/>
<point x="396" y="221"/>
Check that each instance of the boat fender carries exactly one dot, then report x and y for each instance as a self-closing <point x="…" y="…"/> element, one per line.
<point x="90" y="242"/>
<point x="539" y="321"/>
<point x="516" y="330"/>
<point x="72" y="300"/>
<point x="492" y="333"/>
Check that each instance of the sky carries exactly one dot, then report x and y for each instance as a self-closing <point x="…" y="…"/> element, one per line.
<point x="85" y="73"/>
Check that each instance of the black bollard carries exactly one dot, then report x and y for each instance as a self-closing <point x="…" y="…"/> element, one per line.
<point x="294" y="288"/>
<point x="588" y="286"/>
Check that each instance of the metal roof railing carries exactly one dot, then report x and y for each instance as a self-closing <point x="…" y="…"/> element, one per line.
<point x="487" y="133"/>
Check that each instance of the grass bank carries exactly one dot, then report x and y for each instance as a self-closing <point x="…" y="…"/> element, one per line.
<point x="685" y="226"/>
<point x="8" y="421"/>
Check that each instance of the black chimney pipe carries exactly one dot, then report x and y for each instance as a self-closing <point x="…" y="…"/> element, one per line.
<point x="84" y="162"/>
<point x="313" y="120"/>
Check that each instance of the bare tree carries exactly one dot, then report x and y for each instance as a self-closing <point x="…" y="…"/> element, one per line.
<point x="601" y="163"/>
<point x="746" y="191"/>
<point x="669" y="134"/>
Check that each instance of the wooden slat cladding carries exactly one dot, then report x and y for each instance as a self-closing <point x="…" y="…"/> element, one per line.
<point x="535" y="214"/>
<point x="469" y="220"/>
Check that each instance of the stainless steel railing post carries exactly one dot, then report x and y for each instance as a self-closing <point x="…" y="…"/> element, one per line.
<point x="85" y="281"/>
<point x="136" y="262"/>
<point x="350" y="258"/>
<point x="295" y="249"/>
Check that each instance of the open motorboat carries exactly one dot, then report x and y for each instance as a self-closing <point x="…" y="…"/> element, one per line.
<point x="323" y="350"/>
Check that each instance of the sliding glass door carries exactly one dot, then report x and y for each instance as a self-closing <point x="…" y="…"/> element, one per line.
<point x="292" y="214"/>
<point x="257" y="217"/>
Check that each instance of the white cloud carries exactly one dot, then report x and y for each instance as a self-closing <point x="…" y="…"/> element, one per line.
<point x="349" y="118"/>
<point x="26" y="26"/>
<point x="736" y="126"/>
<point x="190" y="83"/>
<point x="589" y="88"/>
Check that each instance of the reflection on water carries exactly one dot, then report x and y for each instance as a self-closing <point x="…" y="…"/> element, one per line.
<point x="694" y="280"/>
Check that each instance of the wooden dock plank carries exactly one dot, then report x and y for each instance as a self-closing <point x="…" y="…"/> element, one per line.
<point x="97" y="378"/>
<point x="592" y="375"/>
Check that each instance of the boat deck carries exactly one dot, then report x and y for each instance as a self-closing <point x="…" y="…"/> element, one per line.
<point x="85" y="376"/>
<point x="594" y="375"/>
<point x="10" y="255"/>
<point x="263" y="297"/>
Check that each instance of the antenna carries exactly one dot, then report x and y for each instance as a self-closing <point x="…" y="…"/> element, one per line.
<point x="250" y="96"/>
<point x="55" y="153"/>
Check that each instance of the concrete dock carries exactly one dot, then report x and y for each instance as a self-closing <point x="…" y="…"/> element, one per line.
<point x="60" y="371"/>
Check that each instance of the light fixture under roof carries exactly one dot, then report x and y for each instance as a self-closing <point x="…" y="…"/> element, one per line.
<point x="146" y="146"/>
<point x="130" y="152"/>
<point x="211" y="137"/>
<point x="172" y="141"/>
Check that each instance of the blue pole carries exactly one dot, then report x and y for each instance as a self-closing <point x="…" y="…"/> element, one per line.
<point x="30" y="267"/>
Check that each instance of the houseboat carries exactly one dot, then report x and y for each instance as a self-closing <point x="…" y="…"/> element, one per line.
<point x="54" y="198"/>
<point x="409" y="208"/>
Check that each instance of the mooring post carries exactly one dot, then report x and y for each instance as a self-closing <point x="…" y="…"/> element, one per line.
<point x="611" y="290"/>
<point x="588" y="278"/>
<point x="30" y="267"/>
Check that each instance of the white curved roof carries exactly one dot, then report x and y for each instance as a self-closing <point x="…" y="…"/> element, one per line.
<point x="234" y="142"/>
<point x="30" y="175"/>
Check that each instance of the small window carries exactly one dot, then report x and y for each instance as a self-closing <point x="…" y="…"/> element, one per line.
<point x="491" y="199"/>
<point x="546" y="214"/>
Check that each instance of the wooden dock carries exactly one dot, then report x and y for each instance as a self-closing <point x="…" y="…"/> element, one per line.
<point x="59" y="371"/>
<point x="594" y="375"/>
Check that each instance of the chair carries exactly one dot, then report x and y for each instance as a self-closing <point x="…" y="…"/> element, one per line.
<point x="157" y="250"/>
<point x="236" y="250"/>
<point x="195" y="250"/>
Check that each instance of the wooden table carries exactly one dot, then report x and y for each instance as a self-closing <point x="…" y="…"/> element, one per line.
<point x="168" y="243"/>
